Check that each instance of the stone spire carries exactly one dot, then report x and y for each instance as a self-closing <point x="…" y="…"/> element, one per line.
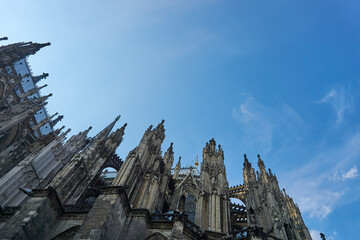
<point x="159" y="131"/>
<point x="73" y="179"/>
<point x="57" y="131"/>
<point x="143" y="168"/>
<point x="36" y="79"/>
<point x="263" y="173"/>
<point x="55" y="121"/>
<point x="247" y="164"/>
<point x="41" y="99"/>
<point x="169" y="157"/>
<point x="78" y="139"/>
<point x="14" y="52"/>
<point x="177" y="169"/>
<point x="63" y="135"/>
<point x="248" y="172"/>
<point x="105" y="132"/>
<point x="115" y="138"/>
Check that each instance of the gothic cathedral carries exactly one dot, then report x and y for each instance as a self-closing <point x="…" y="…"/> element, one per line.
<point x="56" y="188"/>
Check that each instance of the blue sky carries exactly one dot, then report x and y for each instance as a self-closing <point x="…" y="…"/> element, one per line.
<point x="277" y="78"/>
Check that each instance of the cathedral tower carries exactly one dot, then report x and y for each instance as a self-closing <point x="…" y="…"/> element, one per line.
<point x="212" y="209"/>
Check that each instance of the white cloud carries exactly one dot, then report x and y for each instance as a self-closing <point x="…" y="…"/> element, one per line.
<point x="352" y="173"/>
<point x="314" y="199"/>
<point x="245" y="114"/>
<point x="315" y="234"/>
<point x="339" y="100"/>
<point x="322" y="212"/>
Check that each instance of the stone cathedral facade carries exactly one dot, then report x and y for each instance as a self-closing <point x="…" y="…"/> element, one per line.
<point x="55" y="188"/>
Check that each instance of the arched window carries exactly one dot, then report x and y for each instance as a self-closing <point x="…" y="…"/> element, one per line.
<point x="108" y="175"/>
<point x="190" y="207"/>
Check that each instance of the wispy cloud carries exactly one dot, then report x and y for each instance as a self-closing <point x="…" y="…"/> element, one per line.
<point x="314" y="199"/>
<point x="352" y="173"/>
<point x="340" y="101"/>
<point x="319" y="194"/>
<point x="256" y="126"/>
<point x="261" y="124"/>
<point x="345" y="175"/>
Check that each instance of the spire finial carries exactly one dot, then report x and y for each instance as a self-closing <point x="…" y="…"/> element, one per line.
<point x="67" y="131"/>
<point x="42" y="76"/>
<point x="197" y="161"/>
<point x="57" y="131"/>
<point x="63" y="135"/>
<point x="171" y="146"/>
<point x="88" y="130"/>
<point x="55" y="121"/>
<point x="123" y="127"/>
<point x="247" y="164"/>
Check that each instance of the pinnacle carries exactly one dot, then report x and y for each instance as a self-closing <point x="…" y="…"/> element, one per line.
<point x="65" y="133"/>
<point x="57" y="131"/>
<point x="171" y="147"/>
<point x="247" y="164"/>
<point x="123" y="127"/>
<point x="42" y="76"/>
<point x="41" y="45"/>
<point x="161" y="124"/>
<point x="260" y="162"/>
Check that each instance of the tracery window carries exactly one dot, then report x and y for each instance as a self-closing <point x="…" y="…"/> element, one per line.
<point x="190" y="207"/>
